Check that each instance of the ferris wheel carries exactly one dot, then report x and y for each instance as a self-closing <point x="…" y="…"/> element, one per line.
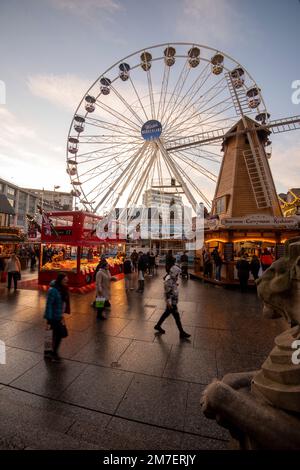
<point x="121" y="142"/>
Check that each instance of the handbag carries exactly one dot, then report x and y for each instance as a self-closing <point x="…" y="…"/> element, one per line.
<point x="100" y="301"/>
<point x="18" y="276"/>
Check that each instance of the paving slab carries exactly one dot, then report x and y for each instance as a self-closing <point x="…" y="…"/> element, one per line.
<point x="98" y="388"/>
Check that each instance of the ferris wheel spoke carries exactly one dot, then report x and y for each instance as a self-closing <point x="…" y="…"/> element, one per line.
<point x="196" y="166"/>
<point x="182" y="77"/>
<point x="201" y="122"/>
<point x="194" y="186"/>
<point x="109" y="159"/>
<point x="107" y="179"/>
<point x="200" y="100"/>
<point x="191" y="93"/>
<point x="138" y="97"/>
<point x="114" y="167"/>
<point x="180" y="88"/>
<point x="144" y="177"/>
<point x="127" y="105"/>
<point x="121" y="130"/>
<point x="99" y="154"/>
<point x="98" y="139"/>
<point x="214" y="157"/>
<point x="177" y="175"/>
<point x="117" y="115"/>
<point x="150" y="88"/>
<point x="133" y="176"/>
<point x="163" y="91"/>
<point x="130" y="168"/>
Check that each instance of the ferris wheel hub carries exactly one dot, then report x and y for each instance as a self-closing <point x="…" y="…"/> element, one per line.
<point x="151" y="130"/>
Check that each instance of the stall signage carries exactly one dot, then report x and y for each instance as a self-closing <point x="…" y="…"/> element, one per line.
<point x="9" y="231"/>
<point x="260" y="220"/>
<point x="151" y="130"/>
<point x="65" y="232"/>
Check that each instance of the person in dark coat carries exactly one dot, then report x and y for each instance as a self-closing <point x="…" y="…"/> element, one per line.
<point x="170" y="260"/>
<point x="142" y="267"/>
<point x="243" y="268"/>
<point x="58" y="303"/>
<point x="255" y="266"/>
<point x="134" y="259"/>
<point x="171" y="295"/>
<point x="218" y="263"/>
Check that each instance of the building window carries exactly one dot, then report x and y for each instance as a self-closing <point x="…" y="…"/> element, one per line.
<point x="11" y="191"/>
<point x="221" y="205"/>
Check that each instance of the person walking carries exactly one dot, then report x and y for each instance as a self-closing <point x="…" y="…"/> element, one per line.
<point x="266" y="259"/>
<point x="184" y="264"/>
<point x="58" y="303"/>
<point x="13" y="269"/>
<point x="151" y="263"/>
<point x="103" y="281"/>
<point x="171" y="295"/>
<point x="255" y="266"/>
<point x="128" y="269"/>
<point x="207" y="264"/>
<point x="157" y="261"/>
<point x="243" y="268"/>
<point x="142" y="266"/>
<point x="217" y="262"/>
<point x="170" y="260"/>
<point x="134" y="258"/>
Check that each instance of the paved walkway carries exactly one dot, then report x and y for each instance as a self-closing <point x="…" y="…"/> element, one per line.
<point x="120" y="386"/>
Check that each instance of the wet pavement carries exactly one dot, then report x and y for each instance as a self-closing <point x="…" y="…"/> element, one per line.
<point x="119" y="385"/>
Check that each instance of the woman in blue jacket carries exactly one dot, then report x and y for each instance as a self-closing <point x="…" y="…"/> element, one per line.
<point x="58" y="303"/>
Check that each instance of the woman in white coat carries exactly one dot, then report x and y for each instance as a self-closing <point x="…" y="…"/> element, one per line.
<point x="103" y="280"/>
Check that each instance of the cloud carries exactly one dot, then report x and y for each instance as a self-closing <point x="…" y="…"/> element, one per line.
<point x="219" y="21"/>
<point x="27" y="157"/>
<point x="285" y="161"/>
<point x="87" y="7"/>
<point x="61" y="90"/>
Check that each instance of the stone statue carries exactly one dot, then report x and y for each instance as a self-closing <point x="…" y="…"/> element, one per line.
<point x="261" y="409"/>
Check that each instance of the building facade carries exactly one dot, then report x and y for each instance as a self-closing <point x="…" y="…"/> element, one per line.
<point x="24" y="201"/>
<point x="53" y="200"/>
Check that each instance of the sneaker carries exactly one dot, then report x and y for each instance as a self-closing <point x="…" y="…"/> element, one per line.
<point x="159" y="329"/>
<point x="184" y="335"/>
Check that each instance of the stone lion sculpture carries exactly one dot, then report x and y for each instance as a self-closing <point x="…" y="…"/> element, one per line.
<point x="261" y="409"/>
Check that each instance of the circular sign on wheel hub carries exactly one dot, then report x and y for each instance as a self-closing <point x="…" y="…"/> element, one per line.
<point x="151" y="130"/>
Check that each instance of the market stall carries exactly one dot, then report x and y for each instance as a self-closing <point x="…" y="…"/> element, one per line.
<point x="69" y="244"/>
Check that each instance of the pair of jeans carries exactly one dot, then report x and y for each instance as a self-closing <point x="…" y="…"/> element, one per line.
<point x="12" y="275"/>
<point x="171" y="311"/>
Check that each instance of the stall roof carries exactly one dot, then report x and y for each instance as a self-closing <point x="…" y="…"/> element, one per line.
<point x="5" y="206"/>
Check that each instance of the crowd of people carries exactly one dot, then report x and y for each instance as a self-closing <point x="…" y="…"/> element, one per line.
<point x="245" y="265"/>
<point x="136" y="267"/>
